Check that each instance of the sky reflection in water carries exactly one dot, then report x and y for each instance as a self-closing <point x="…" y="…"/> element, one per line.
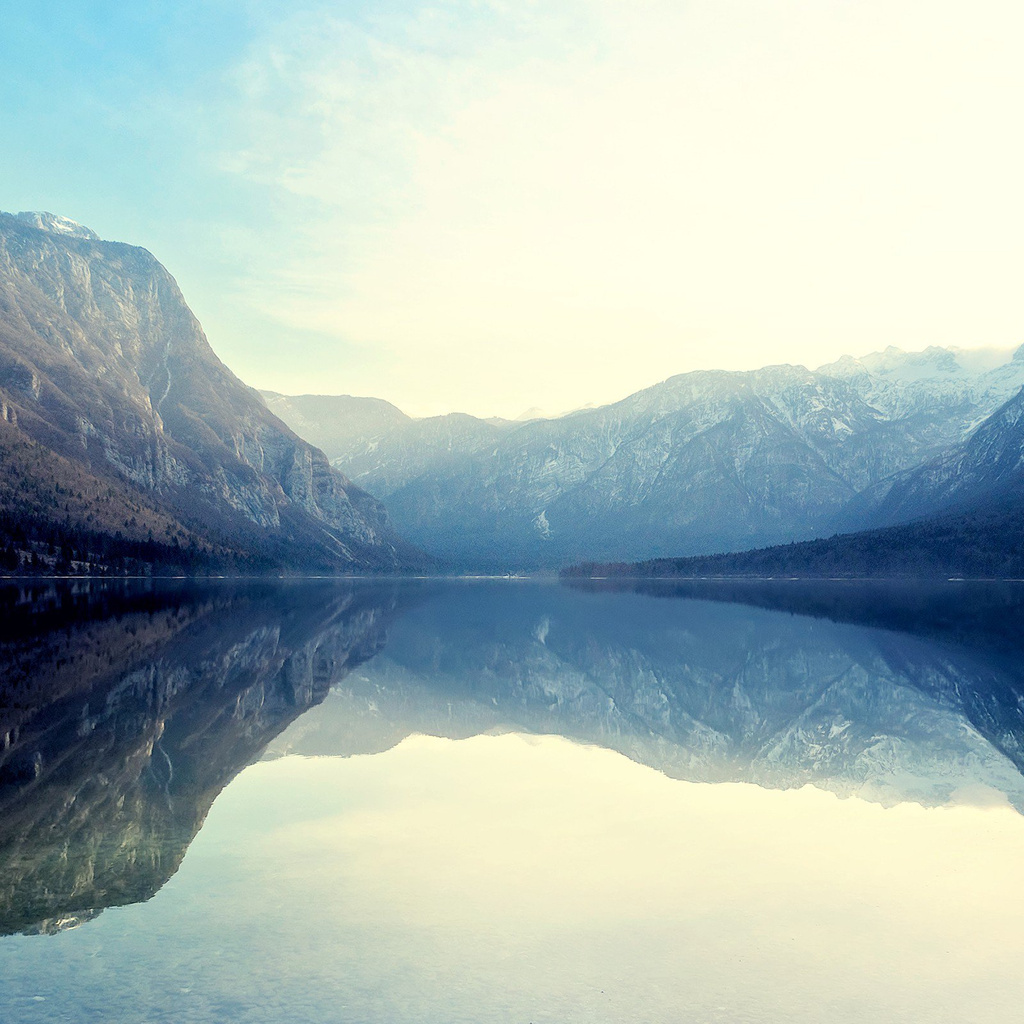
<point x="534" y="878"/>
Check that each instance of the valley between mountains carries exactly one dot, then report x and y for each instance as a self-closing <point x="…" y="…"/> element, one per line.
<point x="127" y="446"/>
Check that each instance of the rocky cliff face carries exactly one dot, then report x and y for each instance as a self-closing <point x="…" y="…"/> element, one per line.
<point x="103" y="363"/>
<point x="703" y="462"/>
<point x="985" y="471"/>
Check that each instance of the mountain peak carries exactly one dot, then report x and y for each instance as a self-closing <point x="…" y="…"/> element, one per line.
<point x="898" y="362"/>
<point x="56" y="224"/>
<point x="123" y="386"/>
<point x="931" y="363"/>
<point x="535" y="412"/>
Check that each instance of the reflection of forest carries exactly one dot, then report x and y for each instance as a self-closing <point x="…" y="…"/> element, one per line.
<point x="124" y="712"/>
<point x="985" y="614"/>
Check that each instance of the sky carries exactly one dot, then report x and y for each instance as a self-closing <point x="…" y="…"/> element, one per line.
<point x="489" y="205"/>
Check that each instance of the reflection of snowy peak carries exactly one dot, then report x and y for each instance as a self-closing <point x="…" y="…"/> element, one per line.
<point x="701" y="692"/>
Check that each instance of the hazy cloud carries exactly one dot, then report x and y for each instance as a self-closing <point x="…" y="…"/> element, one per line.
<point x="499" y="205"/>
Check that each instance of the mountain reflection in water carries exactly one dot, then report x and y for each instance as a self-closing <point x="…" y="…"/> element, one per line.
<point x="126" y="710"/>
<point x="711" y="685"/>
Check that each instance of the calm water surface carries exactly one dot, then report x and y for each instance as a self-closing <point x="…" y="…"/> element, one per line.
<point x="440" y="802"/>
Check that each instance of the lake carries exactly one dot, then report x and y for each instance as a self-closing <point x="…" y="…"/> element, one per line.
<point x="476" y="801"/>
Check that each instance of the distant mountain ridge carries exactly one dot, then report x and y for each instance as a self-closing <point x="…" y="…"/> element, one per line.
<point x="960" y="514"/>
<point x="705" y="461"/>
<point x="104" y="367"/>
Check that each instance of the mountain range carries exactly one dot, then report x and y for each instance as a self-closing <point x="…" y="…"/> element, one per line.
<point x="125" y="441"/>
<point x="126" y="445"/>
<point x="960" y="514"/>
<point x="704" y="462"/>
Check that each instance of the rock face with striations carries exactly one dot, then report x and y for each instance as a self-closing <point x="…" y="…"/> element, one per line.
<point x="985" y="471"/>
<point x="103" y="364"/>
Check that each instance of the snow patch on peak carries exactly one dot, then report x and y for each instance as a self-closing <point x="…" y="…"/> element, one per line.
<point x="927" y="364"/>
<point x="56" y="224"/>
<point x="982" y="360"/>
<point x="535" y="412"/>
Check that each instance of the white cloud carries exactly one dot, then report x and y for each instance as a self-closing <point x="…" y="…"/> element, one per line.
<point x="510" y="206"/>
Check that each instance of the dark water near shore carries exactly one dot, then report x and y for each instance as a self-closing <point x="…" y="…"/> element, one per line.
<point x="450" y="801"/>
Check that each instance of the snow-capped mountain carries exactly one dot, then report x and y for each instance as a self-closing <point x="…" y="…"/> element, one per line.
<point x="932" y="363"/>
<point x="949" y="391"/>
<point x="703" y="462"/>
<point x="56" y="224"/>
